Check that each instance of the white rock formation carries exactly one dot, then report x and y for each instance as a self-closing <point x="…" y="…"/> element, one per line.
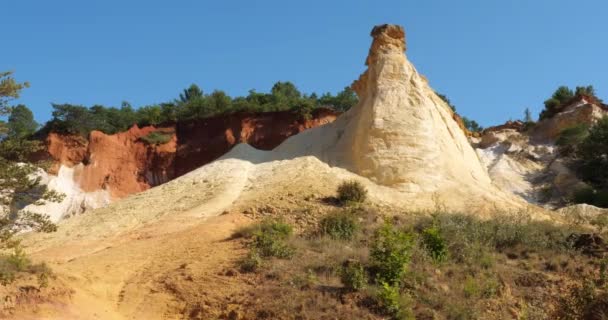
<point x="75" y="200"/>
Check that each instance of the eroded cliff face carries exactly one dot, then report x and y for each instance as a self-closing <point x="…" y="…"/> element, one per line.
<point x="109" y="167"/>
<point x="203" y="141"/>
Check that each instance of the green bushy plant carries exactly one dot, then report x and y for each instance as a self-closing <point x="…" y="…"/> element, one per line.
<point x="390" y="253"/>
<point x="353" y="275"/>
<point x="351" y="191"/>
<point x="156" y="138"/>
<point x="252" y="262"/>
<point x="340" y="225"/>
<point x="570" y="138"/>
<point x="270" y="239"/>
<point x="435" y="244"/>
<point x="392" y="303"/>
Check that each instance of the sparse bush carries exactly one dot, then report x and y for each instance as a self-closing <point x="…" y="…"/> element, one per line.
<point x="270" y="239"/>
<point x="18" y="262"/>
<point x="390" y="253"/>
<point x="340" y="225"/>
<point x="470" y="288"/>
<point x="570" y="138"/>
<point x="577" y="303"/>
<point x="252" y="262"/>
<point x="351" y="191"/>
<point x="353" y="275"/>
<point x="435" y="244"/>
<point x="392" y="303"/>
<point x="156" y="138"/>
<point x="307" y="280"/>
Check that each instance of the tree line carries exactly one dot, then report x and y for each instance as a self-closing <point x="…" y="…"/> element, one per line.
<point x="191" y="104"/>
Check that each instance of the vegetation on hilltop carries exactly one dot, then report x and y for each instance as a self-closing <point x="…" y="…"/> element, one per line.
<point x="563" y="95"/>
<point x="192" y="103"/>
<point x="471" y="125"/>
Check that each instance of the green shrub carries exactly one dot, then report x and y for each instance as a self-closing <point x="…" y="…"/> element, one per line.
<point x="156" y="138"/>
<point x="592" y="153"/>
<point x="577" y="302"/>
<point x="391" y="303"/>
<point x="270" y="239"/>
<point x="19" y="259"/>
<point x="341" y="225"/>
<point x="252" y="262"/>
<point x="570" y="138"/>
<point x="470" y="288"/>
<point x="390" y="253"/>
<point x="435" y="244"/>
<point x="11" y="265"/>
<point x="351" y="191"/>
<point x="353" y="275"/>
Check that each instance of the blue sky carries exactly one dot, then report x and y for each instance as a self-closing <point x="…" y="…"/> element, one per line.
<point x="492" y="58"/>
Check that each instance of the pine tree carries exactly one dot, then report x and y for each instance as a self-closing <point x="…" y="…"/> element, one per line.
<point x="528" y="116"/>
<point x="18" y="183"/>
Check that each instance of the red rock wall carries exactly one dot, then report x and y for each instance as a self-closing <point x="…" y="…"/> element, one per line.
<point x="124" y="164"/>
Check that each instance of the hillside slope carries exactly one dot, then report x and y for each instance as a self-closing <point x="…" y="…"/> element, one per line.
<point x="153" y="253"/>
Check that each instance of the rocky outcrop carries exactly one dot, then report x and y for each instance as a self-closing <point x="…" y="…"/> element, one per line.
<point x="580" y="110"/>
<point x="202" y="141"/>
<point x="401" y="134"/>
<point x="516" y="125"/>
<point x="108" y="167"/>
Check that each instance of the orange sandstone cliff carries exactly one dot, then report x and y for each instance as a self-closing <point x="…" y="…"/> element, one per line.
<point x="124" y="164"/>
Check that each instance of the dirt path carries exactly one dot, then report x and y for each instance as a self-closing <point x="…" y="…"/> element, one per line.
<point x="147" y="273"/>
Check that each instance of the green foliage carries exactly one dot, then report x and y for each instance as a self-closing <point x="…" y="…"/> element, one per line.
<point x="593" y="155"/>
<point x="21" y="122"/>
<point x="390" y="253"/>
<point x="18" y="182"/>
<point x="339" y="225"/>
<point x="528" y="116"/>
<point x="270" y="239"/>
<point x="570" y="138"/>
<point x="391" y="303"/>
<point x="446" y="100"/>
<point x="562" y="95"/>
<point x="156" y="138"/>
<point x="471" y="125"/>
<point x="351" y="191"/>
<point x="353" y="275"/>
<point x="252" y="262"/>
<point x="193" y="92"/>
<point x="191" y="104"/>
<point x="343" y="101"/>
<point x="576" y="304"/>
<point x="469" y="240"/>
<point x="585" y="90"/>
<point x="12" y="264"/>
<point x="434" y="243"/>
<point x="9" y="89"/>
<point x="471" y="288"/>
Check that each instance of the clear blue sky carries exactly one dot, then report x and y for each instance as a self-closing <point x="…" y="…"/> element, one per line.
<point x="492" y="58"/>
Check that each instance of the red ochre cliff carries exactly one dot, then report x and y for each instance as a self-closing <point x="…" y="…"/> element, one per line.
<point x="124" y="164"/>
